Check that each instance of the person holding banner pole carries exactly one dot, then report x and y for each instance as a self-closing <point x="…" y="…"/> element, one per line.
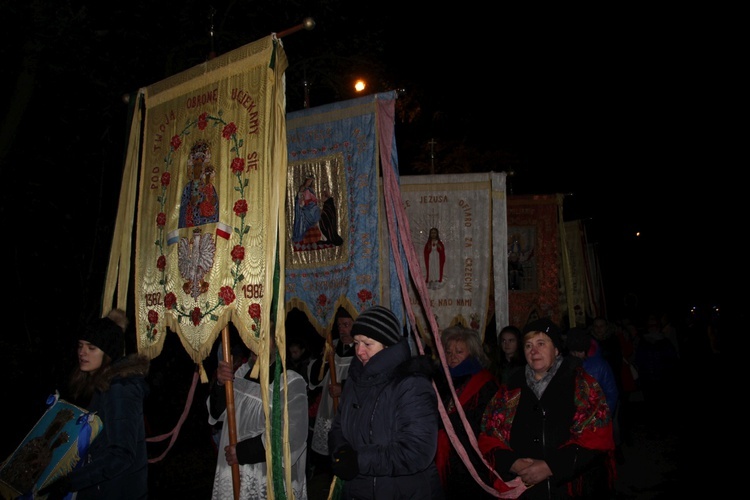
<point x="248" y="450"/>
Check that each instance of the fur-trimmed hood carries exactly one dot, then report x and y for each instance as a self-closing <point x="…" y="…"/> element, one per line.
<point x="133" y="365"/>
<point x="117" y="461"/>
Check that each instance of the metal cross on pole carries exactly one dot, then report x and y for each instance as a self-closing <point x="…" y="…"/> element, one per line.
<point x="432" y="155"/>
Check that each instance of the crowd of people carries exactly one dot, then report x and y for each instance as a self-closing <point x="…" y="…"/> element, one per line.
<point x="535" y="412"/>
<point x="573" y="387"/>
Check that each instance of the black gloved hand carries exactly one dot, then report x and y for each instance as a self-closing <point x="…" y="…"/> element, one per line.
<point x="345" y="463"/>
<point x="57" y="489"/>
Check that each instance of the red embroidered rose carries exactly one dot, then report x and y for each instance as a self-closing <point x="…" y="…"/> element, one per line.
<point x="226" y="294"/>
<point x="238" y="165"/>
<point x="195" y="316"/>
<point x="170" y="300"/>
<point x="202" y="121"/>
<point x="175" y="142"/>
<point x="229" y="130"/>
<point x="238" y="253"/>
<point x="364" y="295"/>
<point x="240" y="207"/>
<point x="165" y="178"/>
<point x="322" y="300"/>
<point x="153" y="317"/>
<point x="161" y="219"/>
<point x="161" y="263"/>
<point x="254" y="311"/>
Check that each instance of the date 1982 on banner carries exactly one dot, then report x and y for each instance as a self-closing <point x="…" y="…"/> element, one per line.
<point x="254" y="291"/>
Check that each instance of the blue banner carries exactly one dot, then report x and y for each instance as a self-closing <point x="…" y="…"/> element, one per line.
<point x="333" y="255"/>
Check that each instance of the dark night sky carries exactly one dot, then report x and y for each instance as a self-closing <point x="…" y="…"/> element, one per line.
<point x="591" y="103"/>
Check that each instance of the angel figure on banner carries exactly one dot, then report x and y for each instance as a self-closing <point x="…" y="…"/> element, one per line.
<point x="434" y="260"/>
<point x="517" y="257"/>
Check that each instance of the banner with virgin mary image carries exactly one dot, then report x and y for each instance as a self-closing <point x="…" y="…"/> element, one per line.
<point x="211" y="181"/>
<point x="333" y="253"/>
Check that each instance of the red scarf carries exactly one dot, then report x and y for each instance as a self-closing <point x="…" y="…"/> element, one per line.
<point x="467" y="392"/>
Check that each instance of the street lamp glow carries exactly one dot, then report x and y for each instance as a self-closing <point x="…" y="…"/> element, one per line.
<point x="359" y="85"/>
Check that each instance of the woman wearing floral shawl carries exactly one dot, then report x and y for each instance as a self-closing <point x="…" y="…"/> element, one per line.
<point x="550" y="425"/>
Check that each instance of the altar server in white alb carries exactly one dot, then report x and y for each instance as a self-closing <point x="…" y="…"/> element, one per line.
<point x="250" y="450"/>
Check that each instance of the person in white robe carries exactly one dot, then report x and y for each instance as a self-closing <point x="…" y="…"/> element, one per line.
<point x="319" y="376"/>
<point x="250" y="450"/>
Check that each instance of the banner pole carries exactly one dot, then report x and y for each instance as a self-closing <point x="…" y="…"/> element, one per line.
<point x="331" y="354"/>
<point x="308" y="23"/>
<point x="231" y="420"/>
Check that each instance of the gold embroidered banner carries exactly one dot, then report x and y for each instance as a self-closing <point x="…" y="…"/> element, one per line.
<point x="577" y="292"/>
<point x="584" y="278"/>
<point x="213" y="173"/>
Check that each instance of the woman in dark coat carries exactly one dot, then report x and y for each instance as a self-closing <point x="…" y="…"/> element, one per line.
<point x="114" y="387"/>
<point x="551" y="425"/>
<point x="384" y="436"/>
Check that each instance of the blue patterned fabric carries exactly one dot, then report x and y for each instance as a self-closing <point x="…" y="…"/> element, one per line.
<point x="337" y="144"/>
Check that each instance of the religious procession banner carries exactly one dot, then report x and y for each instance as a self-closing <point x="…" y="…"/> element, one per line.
<point x="211" y="183"/>
<point x="534" y="258"/>
<point x="577" y="287"/>
<point x="53" y="448"/>
<point x="595" y="284"/>
<point x="450" y="217"/>
<point x="333" y="252"/>
<point x="584" y="297"/>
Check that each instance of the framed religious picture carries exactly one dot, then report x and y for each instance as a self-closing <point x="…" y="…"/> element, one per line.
<point x="53" y="447"/>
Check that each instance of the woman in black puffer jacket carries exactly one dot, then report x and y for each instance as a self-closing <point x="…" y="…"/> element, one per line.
<point x="384" y="436"/>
